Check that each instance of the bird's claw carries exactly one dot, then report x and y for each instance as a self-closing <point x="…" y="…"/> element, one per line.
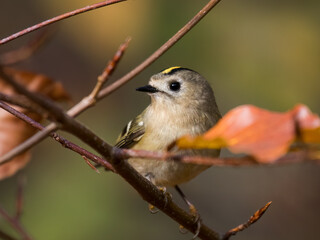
<point x="197" y="220"/>
<point x="152" y="208"/>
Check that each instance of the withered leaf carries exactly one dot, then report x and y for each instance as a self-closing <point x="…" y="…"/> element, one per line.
<point x="14" y="131"/>
<point x="263" y="134"/>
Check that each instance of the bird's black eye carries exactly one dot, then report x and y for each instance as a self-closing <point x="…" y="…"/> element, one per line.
<point x="175" y="86"/>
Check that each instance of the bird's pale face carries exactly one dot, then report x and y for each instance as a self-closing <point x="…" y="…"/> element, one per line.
<point x="183" y="88"/>
<point x="180" y="90"/>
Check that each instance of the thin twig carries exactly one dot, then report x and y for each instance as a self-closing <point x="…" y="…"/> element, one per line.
<point x="58" y="18"/>
<point x="165" y="47"/>
<point x="25" y="51"/>
<point x="108" y="70"/>
<point x="64" y="142"/>
<point x="255" y="217"/>
<point x="292" y="157"/>
<point x="15" y="224"/>
<point x="90" y="164"/>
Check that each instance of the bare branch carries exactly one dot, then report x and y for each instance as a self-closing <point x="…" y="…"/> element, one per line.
<point x="255" y="217"/>
<point x="165" y="47"/>
<point x="108" y="70"/>
<point x="303" y="155"/>
<point x="58" y="18"/>
<point x="64" y="142"/>
<point x="35" y="139"/>
<point x="90" y="164"/>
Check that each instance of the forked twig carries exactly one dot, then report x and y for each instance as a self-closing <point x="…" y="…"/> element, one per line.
<point x="255" y="217"/>
<point x="58" y="18"/>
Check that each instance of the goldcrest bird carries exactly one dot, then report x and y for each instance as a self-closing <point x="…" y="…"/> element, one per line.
<point x="182" y="103"/>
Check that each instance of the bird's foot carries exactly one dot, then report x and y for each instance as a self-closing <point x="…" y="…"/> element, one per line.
<point x="153" y="209"/>
<point x="197" y="221"/>
<point x="193" y="211"/>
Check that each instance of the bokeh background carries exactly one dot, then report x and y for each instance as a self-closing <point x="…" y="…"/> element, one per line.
<point x="265" y="53"/>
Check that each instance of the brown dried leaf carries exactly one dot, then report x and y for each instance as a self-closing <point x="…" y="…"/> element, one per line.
<point x="263" y="134"/>
<point x="13" y="131"/>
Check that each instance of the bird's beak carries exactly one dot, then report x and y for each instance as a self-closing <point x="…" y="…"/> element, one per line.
<point x="148" y="89"/>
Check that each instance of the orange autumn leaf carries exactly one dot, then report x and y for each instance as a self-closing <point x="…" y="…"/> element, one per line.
<point x="260" y="133"/>
<point x="14" y="131"/>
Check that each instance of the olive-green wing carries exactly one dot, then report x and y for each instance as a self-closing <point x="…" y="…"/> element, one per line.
<point x="131" y="134"/>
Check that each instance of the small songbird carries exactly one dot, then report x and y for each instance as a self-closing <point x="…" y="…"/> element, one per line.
<point x="182" y="103"/>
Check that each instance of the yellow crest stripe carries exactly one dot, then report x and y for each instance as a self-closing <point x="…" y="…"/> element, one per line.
<point x="168" y="70"/>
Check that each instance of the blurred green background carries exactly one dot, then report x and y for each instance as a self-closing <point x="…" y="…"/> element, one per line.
<point x="265" y="53"/>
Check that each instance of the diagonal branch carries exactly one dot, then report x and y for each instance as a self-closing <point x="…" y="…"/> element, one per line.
<point x="255" y="217"/>
<point x="58" y="18"/>
<point x="304" y="155"/>
<point x="165" y="47"/>
<point x="108" y="70"/>
<point x="64" y="142"/>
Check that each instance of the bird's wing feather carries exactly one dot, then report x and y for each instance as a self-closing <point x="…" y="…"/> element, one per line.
<point x="131" y="134"/>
